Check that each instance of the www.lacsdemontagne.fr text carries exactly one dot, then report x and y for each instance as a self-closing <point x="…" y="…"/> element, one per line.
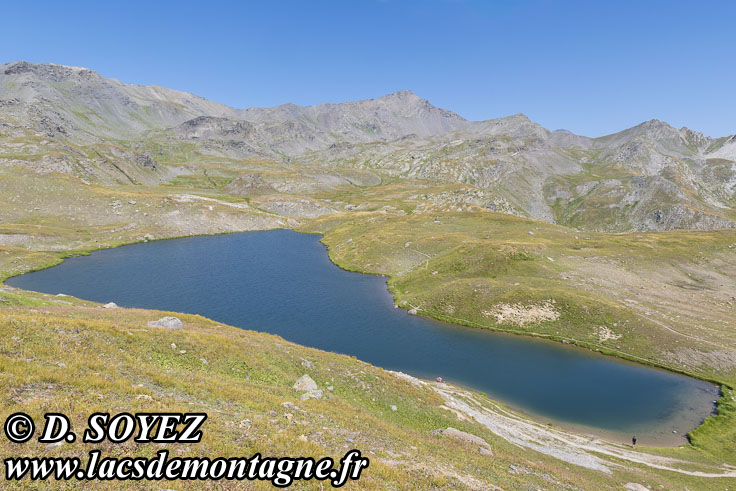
<point x="159" y="428"/>
<point x="280" y="472"/>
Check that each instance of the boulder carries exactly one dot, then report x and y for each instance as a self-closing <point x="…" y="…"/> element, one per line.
<point x="168" y="322"/>
<point x="111" y="305"/>
<point x="305" y="382"/>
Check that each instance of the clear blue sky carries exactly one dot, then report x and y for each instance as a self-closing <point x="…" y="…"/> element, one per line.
<point x="580" y="65"/>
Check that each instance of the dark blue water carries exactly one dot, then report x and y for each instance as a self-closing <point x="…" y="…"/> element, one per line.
<point x="283" y="283"/>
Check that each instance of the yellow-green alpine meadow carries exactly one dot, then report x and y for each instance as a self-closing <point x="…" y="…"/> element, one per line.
<point x="624" y="245"/>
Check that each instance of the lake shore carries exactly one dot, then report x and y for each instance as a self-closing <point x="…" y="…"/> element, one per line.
<point x="667" y="439"/>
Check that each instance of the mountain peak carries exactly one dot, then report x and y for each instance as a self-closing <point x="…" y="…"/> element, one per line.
<point x="401" y="97"/>
<point x="402" y="94"/>
<point x="519" y="117"/>
<point x="44" y="70"/>
<point x="655" y="124"/>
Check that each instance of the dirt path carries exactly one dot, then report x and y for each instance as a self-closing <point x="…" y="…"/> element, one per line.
<point x="187" y="198"/>
<point x="575" y="449"/>
<point x="666" y="327"/>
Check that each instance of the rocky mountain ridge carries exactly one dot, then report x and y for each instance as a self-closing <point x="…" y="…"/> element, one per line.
<point x="649" y="177"/>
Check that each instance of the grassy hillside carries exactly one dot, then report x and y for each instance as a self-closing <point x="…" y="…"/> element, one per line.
<point x="66" y="355"/>
<point x="654" y="296"/>
<point x="660" y="298"/>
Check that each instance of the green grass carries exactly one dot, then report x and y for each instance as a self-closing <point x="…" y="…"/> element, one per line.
<point x="117" y="363"/>
<point x="480" y="260"/>
<point x="478" y="256"/>
<point x="200" y="181"/>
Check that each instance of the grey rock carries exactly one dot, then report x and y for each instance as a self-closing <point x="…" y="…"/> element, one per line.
<point x="305" y="382"/>
<point x="485" y="451"/>
<point x="167" y="322"/>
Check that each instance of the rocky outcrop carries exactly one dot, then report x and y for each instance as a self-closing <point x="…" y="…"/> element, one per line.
<point x="309" y="388"/>
<point x="305" y="382"/>
<point x="168" y="322"/>
<point x="249" y="185"/>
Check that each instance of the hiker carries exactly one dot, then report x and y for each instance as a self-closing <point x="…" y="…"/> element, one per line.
<point x="633" y="440"/>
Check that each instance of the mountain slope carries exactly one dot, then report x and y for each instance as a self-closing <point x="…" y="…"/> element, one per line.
<point x="649" y="177"/>
<point x="84" y="106"/>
